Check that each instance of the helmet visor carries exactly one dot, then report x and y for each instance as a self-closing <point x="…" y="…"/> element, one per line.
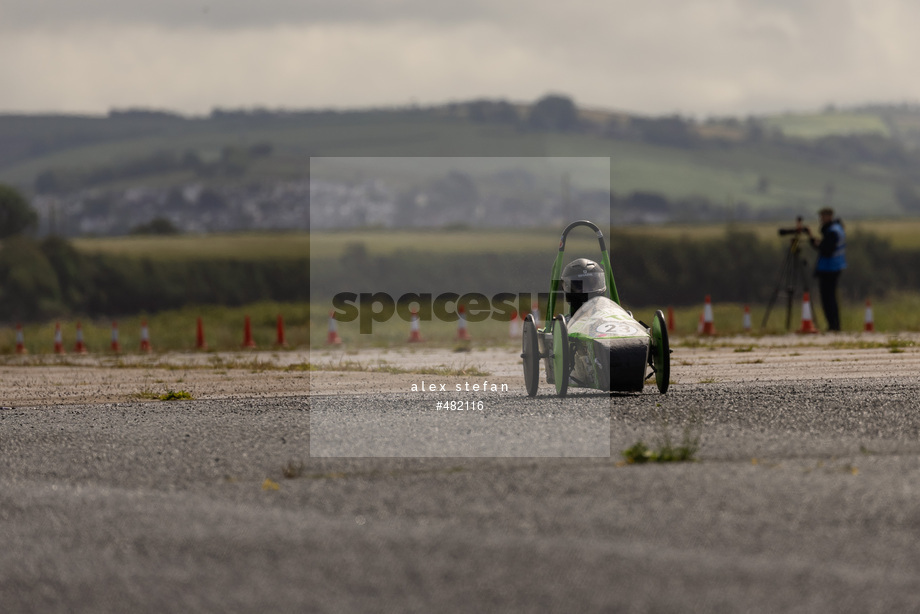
<point x="585" y="282"/>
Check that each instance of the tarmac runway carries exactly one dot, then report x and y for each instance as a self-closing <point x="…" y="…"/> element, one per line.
<point x="804" y="496"/>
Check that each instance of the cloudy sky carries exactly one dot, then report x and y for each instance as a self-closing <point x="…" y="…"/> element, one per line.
<point x="703" y="58"/>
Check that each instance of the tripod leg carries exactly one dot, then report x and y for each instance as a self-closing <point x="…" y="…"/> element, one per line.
<point x="790" y="295"/>
<point x="766" y="316"/>
<point x="790" y="285"/>
<point x="785" y="276"/>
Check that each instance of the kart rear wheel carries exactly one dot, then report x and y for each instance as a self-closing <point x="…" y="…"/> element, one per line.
<point x="530" y="352"/>
<point x="562" y="359"/>
<point x="661" y="353"/>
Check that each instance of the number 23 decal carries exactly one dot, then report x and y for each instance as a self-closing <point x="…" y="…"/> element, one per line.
<point x="619" y="329"/>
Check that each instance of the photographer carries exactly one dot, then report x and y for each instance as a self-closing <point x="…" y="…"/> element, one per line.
<point x="831" y="261"/>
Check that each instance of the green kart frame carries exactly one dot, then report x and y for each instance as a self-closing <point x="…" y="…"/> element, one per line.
<point x="601" y="346"/>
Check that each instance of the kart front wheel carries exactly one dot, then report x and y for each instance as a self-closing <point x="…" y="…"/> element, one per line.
<point x="562" y="359"/>
<point x="530" y="352"/>
<point x="661" y="353"/>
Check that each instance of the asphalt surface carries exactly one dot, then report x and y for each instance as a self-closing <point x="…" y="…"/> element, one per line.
<point x="804" y="497"/>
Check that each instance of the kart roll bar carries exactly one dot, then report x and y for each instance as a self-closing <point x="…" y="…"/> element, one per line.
<point x="557" y="269"/>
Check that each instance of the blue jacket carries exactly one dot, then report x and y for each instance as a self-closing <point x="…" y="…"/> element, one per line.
<point x="832" y="249"/>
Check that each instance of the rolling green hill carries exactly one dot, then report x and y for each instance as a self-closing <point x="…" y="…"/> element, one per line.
<point x="863" y="161"/>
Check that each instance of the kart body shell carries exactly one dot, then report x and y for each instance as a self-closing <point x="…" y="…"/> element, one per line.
<point x="600" y="346"/>
<point x="609" y="348"/>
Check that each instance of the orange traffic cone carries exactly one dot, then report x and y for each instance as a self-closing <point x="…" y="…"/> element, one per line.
<point x="80" y="347"/>
<point x="248" y="342"/>
<point x="808" y="326"/>
<point x="200" y="343"/>
<point x="869" y="326"/>
<point x="415" y="335"/>
<point x="145" y="337"/>
<point x="746" y="319"/>
<point x="462" y="333"/>
<point x="116" y="346"/>
<point x="333" y="337"/>
<point x="58" y="339"/>
<point x="709" y="327"/>
<point x="20" y="341"/>
<point x="670" y="319"/>
<point x="279" y="329"/>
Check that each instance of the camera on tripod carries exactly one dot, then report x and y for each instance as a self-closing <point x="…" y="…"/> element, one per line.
<point x="793" y="278"/>
<point x="797" y="230"/>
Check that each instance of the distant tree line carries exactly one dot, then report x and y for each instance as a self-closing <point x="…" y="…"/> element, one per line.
<point x="648" y="270"/>
<point x="50" y="278"/>
<point x="559" y="113"/>
<point x="156" y="226"/>
<point x="16" y="214"/>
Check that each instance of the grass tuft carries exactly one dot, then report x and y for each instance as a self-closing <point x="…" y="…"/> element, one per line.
<point x="175" y="395"/>
<point x="640" y="453"/>
<point x="666" y="451"/>
<point x="292" y="469"/>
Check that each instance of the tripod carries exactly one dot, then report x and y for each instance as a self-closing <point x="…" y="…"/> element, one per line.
<point x="792" y="276"/>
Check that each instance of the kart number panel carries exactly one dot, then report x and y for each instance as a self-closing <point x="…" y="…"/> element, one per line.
<point x="616" y="329"/>
<point x="601" y="318"/>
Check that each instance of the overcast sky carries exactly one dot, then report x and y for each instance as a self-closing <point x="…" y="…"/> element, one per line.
<point x="703" y="58"/>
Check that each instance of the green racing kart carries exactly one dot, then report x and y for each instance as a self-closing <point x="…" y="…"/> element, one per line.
<point x="600" y="345"/>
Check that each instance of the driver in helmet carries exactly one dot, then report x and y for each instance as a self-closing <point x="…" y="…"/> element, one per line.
<point x="582" y="279"/>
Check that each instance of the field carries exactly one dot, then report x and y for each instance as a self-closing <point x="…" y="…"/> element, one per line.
<point x="248" y="246"/>
<point x="811" y="125"/>
<point x="902" y="233"/>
